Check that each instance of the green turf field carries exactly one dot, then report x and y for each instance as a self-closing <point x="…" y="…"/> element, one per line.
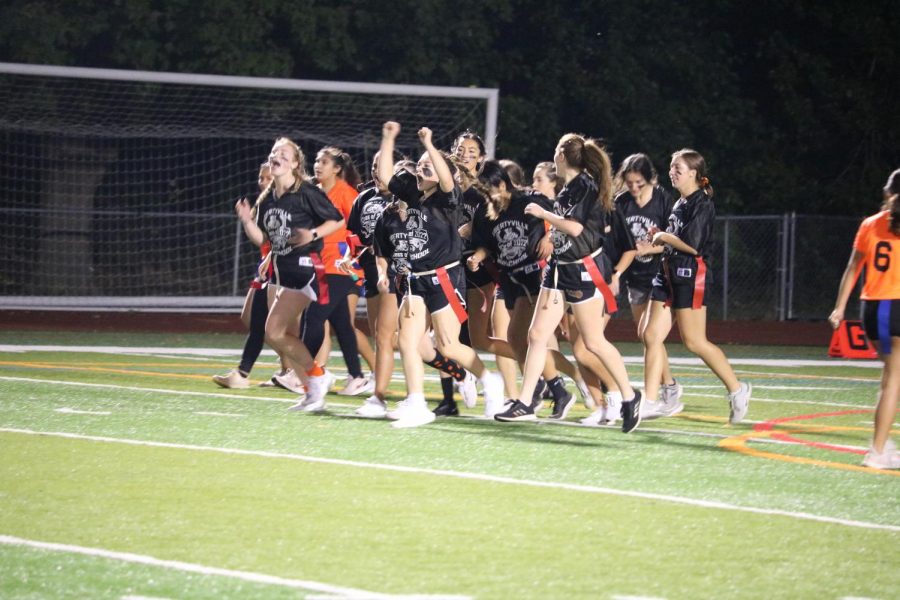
<point x="127" y="473"/>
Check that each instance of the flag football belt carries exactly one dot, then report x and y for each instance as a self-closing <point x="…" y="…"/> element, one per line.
<point x="525" y="270"/>
<point x="590" y="265"/>
<point x="699" y="283"/>
<point x="446" y="287"/>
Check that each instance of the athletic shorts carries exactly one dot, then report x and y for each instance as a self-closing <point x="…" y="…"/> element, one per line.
<point x="524" y="282"/>
<point x="429" y="289"/>
<point x="881" y="319"/>
<point x="370" y="280"/>
<point x="638" y="295"/>
<point x="575" y="282"/>
<point x="479" y="278"/>
<point x="297" y="273"/>
<point x="676" y="281"/>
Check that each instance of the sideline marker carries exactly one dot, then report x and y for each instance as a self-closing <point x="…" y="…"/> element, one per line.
<point x="849" y="341"/>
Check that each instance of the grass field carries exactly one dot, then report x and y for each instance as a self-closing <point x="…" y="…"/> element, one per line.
<point x="126" y="473"/>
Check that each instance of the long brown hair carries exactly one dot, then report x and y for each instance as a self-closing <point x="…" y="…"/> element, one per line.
<point x="344" y="161"/>
<point x="892" y="200"/>
<point x="694" y="160"/>
<point x="590" y="156"/>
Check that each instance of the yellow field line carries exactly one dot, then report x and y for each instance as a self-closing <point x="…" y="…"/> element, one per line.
<point x="51" y="366"/>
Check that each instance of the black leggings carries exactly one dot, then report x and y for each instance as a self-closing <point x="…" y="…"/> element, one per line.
<point x="336" y="312"/>
<point x="253" y="345"/>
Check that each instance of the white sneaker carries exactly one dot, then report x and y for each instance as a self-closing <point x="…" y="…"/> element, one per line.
<point x="232" y="379"/>
<point x="492" y="387"/>
<point x="651" y="410"/>
<point x="289" y="380"/>
<point x="888" y="458"/>
<point x="373" y="408"/>
<point x="613" y="407"/>
<point x="399" y="410"/>
<point x="415" y="414"/>
<point x="670" y="403"/>
<point x="317" y="388"/>
<point x="740" y="402"/>
<point x="585" y="394"/>
<point x="468" y="390"/>
<point x="270" y="382"/>
<point x="358" y="385"/>
<point x="595" y="418"/>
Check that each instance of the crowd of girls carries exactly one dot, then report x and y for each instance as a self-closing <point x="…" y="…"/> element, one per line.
<point x="456" y="256"/>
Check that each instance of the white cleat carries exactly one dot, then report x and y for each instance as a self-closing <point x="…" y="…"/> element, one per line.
<point x="670" y="403"/>
<point x="415" y="414"/>
<point x="740" y="403"/>
<point x="888" y="458"/>
<point x="358" y="385"/>
<point x="232" y="380"/>
<point x="468" y="390"/>
<point x="289" y="380"/>
<point x="492" y="387"/>
<point x="595" y="418"/>
<point x="372" y="408"/>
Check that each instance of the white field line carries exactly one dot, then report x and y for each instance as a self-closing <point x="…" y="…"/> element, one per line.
<point x="765" y="362"/>
<point x="332" y="404"/>
<point x="72" y="411"/>
<point x="781" y="401"/>
<point x="471" y="476"/>
<point x="177" y="565"/>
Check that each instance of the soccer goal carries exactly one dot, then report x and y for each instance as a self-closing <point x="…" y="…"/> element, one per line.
<point x="119" y="186"/>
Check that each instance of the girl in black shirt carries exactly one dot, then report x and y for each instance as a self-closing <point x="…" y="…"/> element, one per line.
<point x="579" y="272"/>
<point x="294" y="215"/>
<point x="680" y="284"/>
<point x="646" y="208"/>
<point x="432" y="287"/>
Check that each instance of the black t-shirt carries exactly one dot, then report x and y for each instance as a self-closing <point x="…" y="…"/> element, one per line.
<point x="431" y="224"/>
<point x="306" y="208"/>
<point x="513" y="238"/>
<point x="472" y="199"/>
<point x="389" y="241"/>
<point x="692" y="220"/>
<point x="640" y="220"/>
<point x="578" y="202"/>
<point x="618" y="238"/>
<point x="364" y="214"/>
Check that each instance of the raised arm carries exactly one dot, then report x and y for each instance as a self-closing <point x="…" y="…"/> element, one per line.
<point x="389" y="132"/>
<point x="445" y="176"/>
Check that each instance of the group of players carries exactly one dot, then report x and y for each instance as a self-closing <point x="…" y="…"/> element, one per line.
<point x="454" y="239"/>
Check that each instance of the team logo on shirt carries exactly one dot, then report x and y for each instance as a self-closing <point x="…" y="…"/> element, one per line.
<point x="369" y="216"/>
<point x="561" y="241"/>
<point x="512" y="243"/>
<point x="640" y="231"/>
<point x="277" y="223"/>
<point x="416" y="234"/>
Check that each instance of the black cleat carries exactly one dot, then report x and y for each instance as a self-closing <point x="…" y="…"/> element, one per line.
<point x="516" y="412"/>
<point x="631" y="413"/>
<point x="561" y="407"/>
<point x="447" y="408"/>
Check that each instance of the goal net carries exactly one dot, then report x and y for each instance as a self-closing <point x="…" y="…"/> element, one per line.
<point x="119" y="186"/>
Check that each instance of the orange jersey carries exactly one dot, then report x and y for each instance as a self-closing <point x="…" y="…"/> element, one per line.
<point x="881" y="256"/>
<point x="342" y="196"/>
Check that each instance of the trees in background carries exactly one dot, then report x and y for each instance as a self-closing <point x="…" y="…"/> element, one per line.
<point x="792" y="103"/>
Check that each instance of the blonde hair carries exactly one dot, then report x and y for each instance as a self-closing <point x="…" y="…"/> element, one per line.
<point x="299" y="172"/>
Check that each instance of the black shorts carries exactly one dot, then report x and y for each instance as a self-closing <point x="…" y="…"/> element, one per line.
<point x="676" y="283"/>
<point x="296" y="273"/>
<point x="881" y="319"/>
<point x="479" y="278"/>
<point x="429" y="289"/>
<point x="574" y="281"/>
<point x="524" y="282"/>
<point x="370" y="280"/>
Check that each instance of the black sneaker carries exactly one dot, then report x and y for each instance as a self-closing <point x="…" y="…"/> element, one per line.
<point x="447" y="408"/>
<point x="516" y="412"/>
<point x="631" y="413"/>
<point x="561" y="407"/>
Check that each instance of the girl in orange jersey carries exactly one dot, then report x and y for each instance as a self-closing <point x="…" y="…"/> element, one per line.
<point x="877" y="247"/>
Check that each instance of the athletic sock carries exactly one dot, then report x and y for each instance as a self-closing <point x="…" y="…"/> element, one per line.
<point x="557" y="387"/>
<point x="447" y="365"/>
<point x="447" y="388"/>
<point x="316" y="370"/>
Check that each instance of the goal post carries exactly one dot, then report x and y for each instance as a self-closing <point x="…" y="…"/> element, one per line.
<point x="119" y="185"/>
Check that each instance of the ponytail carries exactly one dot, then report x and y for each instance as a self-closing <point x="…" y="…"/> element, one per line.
<point x="599" y="167"/>
<point x="892" y="200"/>
<point x="694" y="160"/>
<point x="341" y="159"/>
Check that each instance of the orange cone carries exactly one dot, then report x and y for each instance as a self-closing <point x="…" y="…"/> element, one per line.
<point x="849" y="341"/>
